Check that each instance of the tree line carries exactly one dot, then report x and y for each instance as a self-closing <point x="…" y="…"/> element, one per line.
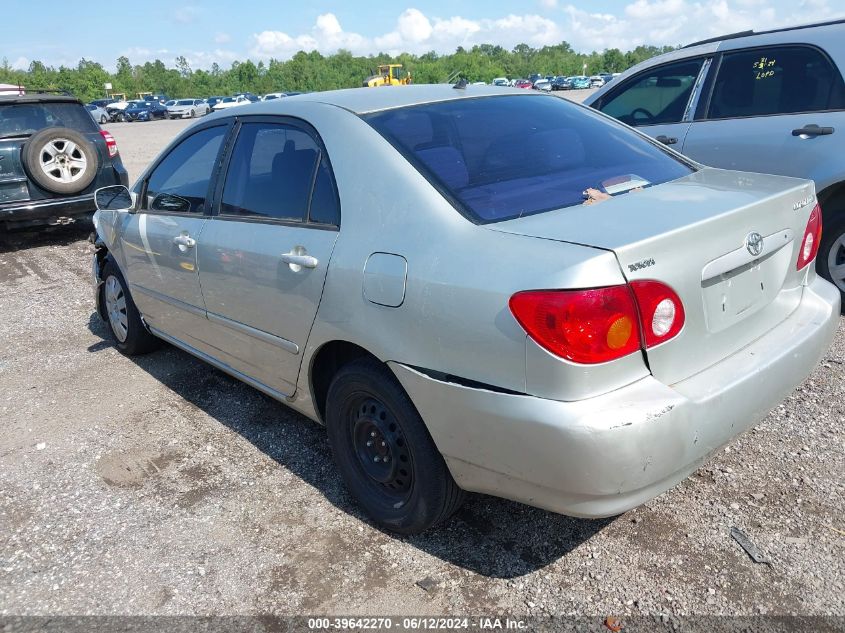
<point x="311" y="71"/>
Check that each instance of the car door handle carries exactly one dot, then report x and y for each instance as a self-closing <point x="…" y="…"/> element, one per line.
<point x="812" y="130"/>
<point x="184" y="240"/>
<point x="306" y="261"/>
<point x="666" y="140"/>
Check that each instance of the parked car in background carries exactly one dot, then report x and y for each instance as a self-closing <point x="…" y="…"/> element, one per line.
<point x="100" y="115"/>
<point x="187" y="109"/>
<point x="562" y="83"/>
<point x="523" y="83"/>
<point x="274" y="95"/>
<point x="543" y="84"/>
<point x="578" y="357"/>
<point x="607" y="77"/>
<point x="770" y="102"/>
<point x="103" y="103"/>
<point x="143" y="111"/>
<point x="230" y="102"/>
<point x="212" y="101"/>
<point x="579" y="82"/>
<point x="596" y="81"/>
<point x="501" y="81"/>
<point x="53" y="156"/>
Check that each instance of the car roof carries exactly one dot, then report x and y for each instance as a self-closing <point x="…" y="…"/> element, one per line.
<point x="366" y="100"/>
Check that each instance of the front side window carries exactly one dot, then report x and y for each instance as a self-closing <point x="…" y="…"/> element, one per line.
<point x="271" y="173"/>
<point x="499" y="158"/>
<point x="775" y="80"/>
<point x="658" y="96"/>
<point x="179" y="183"/>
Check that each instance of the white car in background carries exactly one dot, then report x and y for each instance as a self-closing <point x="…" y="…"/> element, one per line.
<point x="100" y="115"/>
<point x="274" y="95"/>
<point x="543" y="84"/>
<point x="187" y="108"/>
<point x="501" y="81"/>
<point x="231" y="102"/>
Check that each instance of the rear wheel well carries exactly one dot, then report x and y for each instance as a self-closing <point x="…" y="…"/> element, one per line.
<point x="832" y="201"/>
<point x="326" y="363"/>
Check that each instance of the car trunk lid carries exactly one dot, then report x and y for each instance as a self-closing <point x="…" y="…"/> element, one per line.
<point x="693" y="234"/>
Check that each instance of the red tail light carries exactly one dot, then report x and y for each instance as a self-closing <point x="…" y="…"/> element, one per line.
<point x="585" y="326"/>
<point x="600" y="324"/>
<point x="812" y="238"/>
<point x="111" y="144"/>
<point x="661" y="311"/>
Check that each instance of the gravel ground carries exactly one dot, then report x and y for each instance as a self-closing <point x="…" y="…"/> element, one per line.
<point x="159" y="485"/>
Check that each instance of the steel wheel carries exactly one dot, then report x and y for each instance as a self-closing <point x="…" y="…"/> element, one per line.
<point x="836" y="262"/>
<point x="381" y="448"/>
<point x="116" y="308"/>
<point x="62" y="160"/>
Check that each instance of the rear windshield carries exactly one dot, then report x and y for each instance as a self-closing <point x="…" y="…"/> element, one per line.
<point x="185" y="102"/>
<point x="499" y="158"/>
<point x="25" y="119"/>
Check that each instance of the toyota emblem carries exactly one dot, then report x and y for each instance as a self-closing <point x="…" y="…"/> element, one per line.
<point x="754" y="243"/>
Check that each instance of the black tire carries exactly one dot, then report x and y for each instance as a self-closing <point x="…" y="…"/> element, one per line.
<point x="121" y="117"/>
<point x="103" y="119"/>
<point x="193" y="114"/>
<point x="57" y="138"/>
<point x="137" y="339"/>
<point x="831" y="235"/>
<point x="414" y="490"/>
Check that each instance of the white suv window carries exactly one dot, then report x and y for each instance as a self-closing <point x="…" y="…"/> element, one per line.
<point x="775" y="80"/>
<point x="657" y="96"/>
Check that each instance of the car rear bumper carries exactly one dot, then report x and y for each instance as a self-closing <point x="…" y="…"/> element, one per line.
<point x="605" y="455"/>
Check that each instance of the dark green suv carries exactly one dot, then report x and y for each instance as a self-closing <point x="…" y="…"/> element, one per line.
<point x="53" y="156"/>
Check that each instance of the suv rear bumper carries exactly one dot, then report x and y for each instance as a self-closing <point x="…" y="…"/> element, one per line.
<point x="605" y="455"/>
<point x="50" y="211"/>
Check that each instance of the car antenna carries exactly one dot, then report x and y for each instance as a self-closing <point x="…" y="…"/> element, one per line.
<point x="461" y="84"/>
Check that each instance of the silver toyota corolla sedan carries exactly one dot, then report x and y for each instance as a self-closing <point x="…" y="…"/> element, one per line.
<point x="474" y="289"/>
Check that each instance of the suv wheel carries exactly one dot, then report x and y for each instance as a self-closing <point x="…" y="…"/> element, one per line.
<point x="831" y="259"/>
<point x="384" y="452"/>
<point x="61" y="160"/>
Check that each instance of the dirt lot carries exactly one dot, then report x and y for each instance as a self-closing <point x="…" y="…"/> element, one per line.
<point x="158" y="485"/>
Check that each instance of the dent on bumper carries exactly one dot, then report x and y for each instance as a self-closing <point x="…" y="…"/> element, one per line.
<point x="608" y="454"/>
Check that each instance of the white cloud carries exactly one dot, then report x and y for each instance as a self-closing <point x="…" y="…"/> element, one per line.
<point x="414" y="32"/>
<point x="548" y="4"/>
<point x="186" y="15"/>
<point x="21" y="63"/>
<point x="222" y="38"/>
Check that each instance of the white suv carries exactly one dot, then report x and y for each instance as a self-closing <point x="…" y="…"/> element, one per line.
<point x="771" y="102"/>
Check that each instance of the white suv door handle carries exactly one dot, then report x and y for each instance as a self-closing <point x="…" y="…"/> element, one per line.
<point x="306" y="261"/>
<point x="184" y="240"/>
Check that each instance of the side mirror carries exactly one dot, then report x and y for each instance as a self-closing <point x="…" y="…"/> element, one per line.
<point x="114" y="198"/>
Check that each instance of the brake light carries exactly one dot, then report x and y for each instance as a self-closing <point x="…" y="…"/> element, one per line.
<point x="661" y="311"/>
<point x="585" y="326"/>
<point x="600" y="324"/>
<point x="812" y="238"/>
<point x="111" y="144"/>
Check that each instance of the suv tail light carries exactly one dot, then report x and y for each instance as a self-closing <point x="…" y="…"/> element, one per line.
<point x="598" y="325"/>
<point x="111" y="144"/>
<point x="812" y="238"/>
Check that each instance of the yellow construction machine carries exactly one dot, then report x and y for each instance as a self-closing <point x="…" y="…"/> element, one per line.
<point x="388" y="75"/>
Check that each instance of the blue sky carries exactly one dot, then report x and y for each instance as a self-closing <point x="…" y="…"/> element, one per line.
<point x="222" y="31"/>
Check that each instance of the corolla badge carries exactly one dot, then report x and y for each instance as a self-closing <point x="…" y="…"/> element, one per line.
<point x="754" y="243"/>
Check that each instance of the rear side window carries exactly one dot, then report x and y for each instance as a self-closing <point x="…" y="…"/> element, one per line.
<point x="271" y="173"/>
<point x="776" y="80"/>
<point x="179" y="183"/>
<point x="25" y="119"/>
<point x="498" y="158"/>
<point x="658" y="96"/>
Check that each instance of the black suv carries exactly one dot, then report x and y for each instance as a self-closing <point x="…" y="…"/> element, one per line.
<point x="53" y="156"/>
